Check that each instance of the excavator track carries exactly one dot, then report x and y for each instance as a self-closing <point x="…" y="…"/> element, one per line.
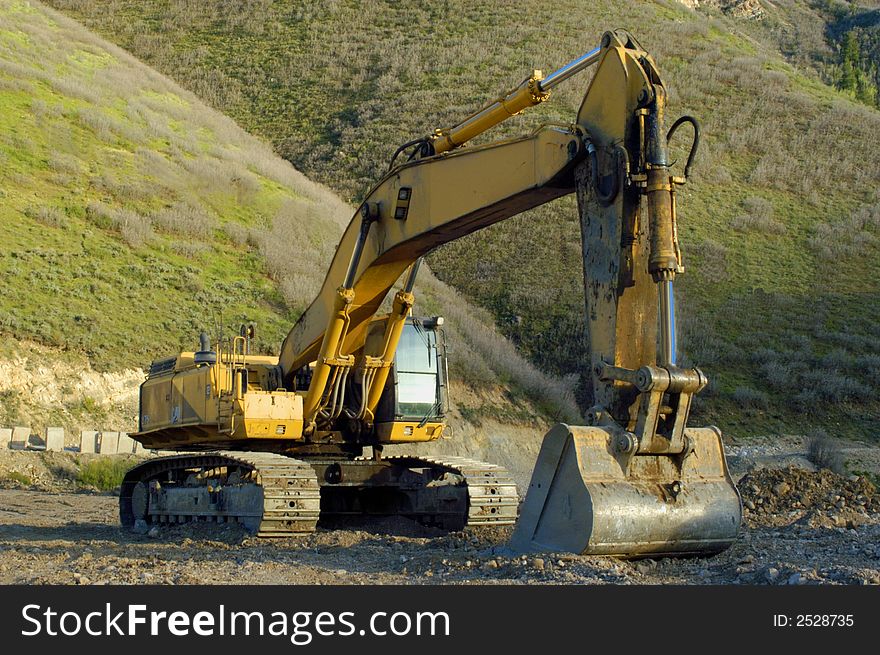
<point x="450" y="493"/>
<point x="269" y="494"/>
<point x="492" y="495"/>
<point x="278" y="496"/>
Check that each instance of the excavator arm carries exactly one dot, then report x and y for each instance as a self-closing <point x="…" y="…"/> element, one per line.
<point x="425" y="203"/>
<point x="414" y="209"/>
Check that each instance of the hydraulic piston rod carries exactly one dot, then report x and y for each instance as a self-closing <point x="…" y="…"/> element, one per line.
<point x="573" y="67"/>
<point x="667" y="324"/>
<point x="534" y="90"/>
<point x="663" y="260"/>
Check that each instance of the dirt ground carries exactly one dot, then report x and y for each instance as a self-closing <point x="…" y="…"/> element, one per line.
<point x="801" y="526"/>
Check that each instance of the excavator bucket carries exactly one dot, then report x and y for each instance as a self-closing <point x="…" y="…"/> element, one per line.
<point x="587" y="497"/>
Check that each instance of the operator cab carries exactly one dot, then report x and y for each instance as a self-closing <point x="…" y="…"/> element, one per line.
<point x="416" y="387"/>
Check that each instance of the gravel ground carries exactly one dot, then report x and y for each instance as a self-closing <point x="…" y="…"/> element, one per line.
<point x="800" y="527"/>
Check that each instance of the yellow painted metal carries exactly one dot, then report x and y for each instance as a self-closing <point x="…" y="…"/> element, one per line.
<point x="623" y="77"/>
<point x="403" y="302"/>
<point x="527" y="94"/>
<point x="329" y="354"/>
<point x="622" y="321"/>
<point x="452" y="195"/>
<point x="408" y="431"/>
<point x="269" y="415"/>
<point x="178" y="399"/>
<point x="202" y="404"/>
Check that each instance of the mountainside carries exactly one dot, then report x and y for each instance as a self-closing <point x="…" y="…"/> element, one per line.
<point x="134" y="216"/>
<point x="781" y="300"/>
<point x="839" y="41"/>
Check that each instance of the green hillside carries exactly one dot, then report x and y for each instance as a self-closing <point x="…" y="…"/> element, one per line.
<point x="134" y="216"/>
<point x="780" y="227"/>
<point x="838" y="40"/>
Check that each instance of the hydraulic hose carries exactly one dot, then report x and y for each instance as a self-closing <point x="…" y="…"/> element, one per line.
<point x="696" y="143"/>
<point x="424" y="149"/>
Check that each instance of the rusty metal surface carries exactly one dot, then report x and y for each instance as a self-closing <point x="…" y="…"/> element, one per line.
<point x="586" y="497"/>
<point x="274" y="495"/>
<point x="269" y="494"/>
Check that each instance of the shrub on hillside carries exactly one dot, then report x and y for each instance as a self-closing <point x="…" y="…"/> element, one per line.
<point x="225" y="175"/>
<point x="62" y="163"/>
<point x="749" y="398"/>
<point x="51" y="216"/>
<point x="836" y="387"/>
<point x="758" y="217"/>
<point x="847" y="237"/>
<point x="869" y="368"/>
<point x="713" y="266"/>
<point x="837" y="359"/>
<point x="189" y="249"/>
<point x="825" y="453"/>
<point x="781" y="376"/>
<point x="182" y="218"/>
<point x="238" y="234"/>
<point x="136" y="230"/>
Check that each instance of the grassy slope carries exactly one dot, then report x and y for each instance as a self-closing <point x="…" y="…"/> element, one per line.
<point x="811" y="34"/>
<point x="127" y="204"/>
<point x="135" y="216"/>
<point x="779" y="228"/>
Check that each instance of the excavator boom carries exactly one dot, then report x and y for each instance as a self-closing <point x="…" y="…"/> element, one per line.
<point x="454" y="198"/>
<point x="424" y="204"/>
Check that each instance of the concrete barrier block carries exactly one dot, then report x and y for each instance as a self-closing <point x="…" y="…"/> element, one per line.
<point x="5" y="437"/>
<point x="126" y="444"/>
<point x="55" y="439"/>
<point x="139" y="448"/>
<point x="109" y="443"/>
<point x="20" y="437"/>
<point x="88" y="441"/>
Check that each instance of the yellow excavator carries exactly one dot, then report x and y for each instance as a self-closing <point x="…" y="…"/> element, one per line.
<point x="278" y="444"/>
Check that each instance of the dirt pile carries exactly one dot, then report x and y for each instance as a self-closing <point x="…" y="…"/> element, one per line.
<point x="748" y="9"/>
<point x="777" y="491"/>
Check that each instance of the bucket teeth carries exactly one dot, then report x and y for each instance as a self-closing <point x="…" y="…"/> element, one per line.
<point x="585" y="497"/>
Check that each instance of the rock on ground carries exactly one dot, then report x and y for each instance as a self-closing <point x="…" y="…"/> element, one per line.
<point x="807" y="528"/>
